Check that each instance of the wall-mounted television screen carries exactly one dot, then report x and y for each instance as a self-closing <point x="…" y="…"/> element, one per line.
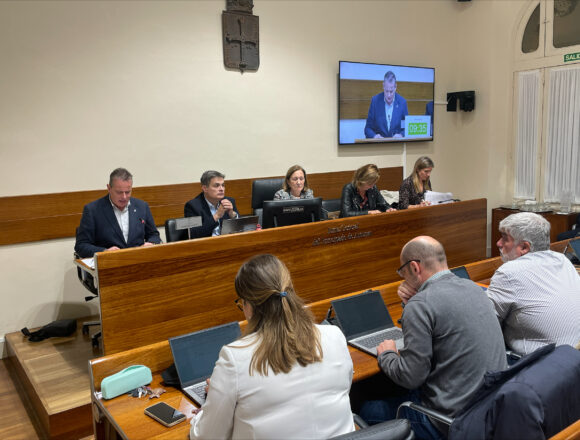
<point x="384" y="103"/>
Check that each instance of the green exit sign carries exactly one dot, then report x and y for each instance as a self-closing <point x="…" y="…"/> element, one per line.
<point x="572" y="57"/>
<point x="417" y="128"/>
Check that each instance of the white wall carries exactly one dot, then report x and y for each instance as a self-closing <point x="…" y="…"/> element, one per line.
<point x="88" y="86"/>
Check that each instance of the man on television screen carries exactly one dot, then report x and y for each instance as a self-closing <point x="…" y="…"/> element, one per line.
<point x="386" y="111"/>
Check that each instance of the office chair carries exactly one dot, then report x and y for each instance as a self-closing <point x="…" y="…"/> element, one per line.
<point x="537" y="397"/>
<point x="88" y="282"/>
<point x="264" y="189"/>
<point x="172" y="233"/>
<point x="329" y="205"/>
<point x="572" y="233"/>
<point x="399" y="429"/>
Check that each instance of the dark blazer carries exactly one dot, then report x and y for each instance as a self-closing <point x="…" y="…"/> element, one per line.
<point x="198" y="207"/>
<point x="377" y="118"/>
<point x="535" y="398"/>
<point x="99" y="228"/>
<point x="350" y="201"/>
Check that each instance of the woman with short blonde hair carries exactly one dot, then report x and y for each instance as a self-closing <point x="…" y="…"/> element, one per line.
<point x="361" y="196"/>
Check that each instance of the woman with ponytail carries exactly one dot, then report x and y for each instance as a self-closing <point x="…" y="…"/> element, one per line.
<point x="286" y="377"/>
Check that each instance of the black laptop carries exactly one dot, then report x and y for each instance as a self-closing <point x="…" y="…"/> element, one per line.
<point x="195" y="355"/>
<point x="366" y="322"/>
<point x="461" y="272"/>
<point x="240" y="224"/>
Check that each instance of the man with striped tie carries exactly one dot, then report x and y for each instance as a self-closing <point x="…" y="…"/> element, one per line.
<point x="536" y="292"/>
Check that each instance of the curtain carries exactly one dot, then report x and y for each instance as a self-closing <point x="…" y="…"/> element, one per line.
<point x="527" y="134"/>
<point x="563" y="137"/>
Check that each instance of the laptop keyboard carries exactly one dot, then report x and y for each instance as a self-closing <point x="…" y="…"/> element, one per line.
<point x="373" y="340"/>
<point x="199" y="389"/>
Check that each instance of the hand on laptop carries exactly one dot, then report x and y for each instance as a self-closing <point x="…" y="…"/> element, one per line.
<point x="207" y="386"/>
<point x="406" y="291"/>
<point x="387" y="345"/>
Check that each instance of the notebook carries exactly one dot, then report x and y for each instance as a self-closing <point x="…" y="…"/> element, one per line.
<point x="195" y="355"/>
<point x="366" y="322"/>
<point x="240" y="224"/>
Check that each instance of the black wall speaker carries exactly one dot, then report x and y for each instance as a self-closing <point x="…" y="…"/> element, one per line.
<point x="466" y="101"/>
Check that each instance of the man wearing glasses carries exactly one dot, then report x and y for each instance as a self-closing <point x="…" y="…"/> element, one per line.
<point x="452" y="338"/>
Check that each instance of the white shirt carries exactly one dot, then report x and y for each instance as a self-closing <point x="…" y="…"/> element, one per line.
<point x="537" y="300"/>
<point x="123" y="219"/>
<point x="389" y="113"/>
<point x="308" y="402"/>
<point x="213" y="209"/>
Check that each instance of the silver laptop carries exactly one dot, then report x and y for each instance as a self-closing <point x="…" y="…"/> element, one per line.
<point x="195" y="355"/>
<point x="366" y="322"/>
<point x="240" y="224"/>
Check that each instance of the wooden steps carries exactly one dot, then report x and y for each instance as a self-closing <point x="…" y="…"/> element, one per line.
<point x="53" y="380"/>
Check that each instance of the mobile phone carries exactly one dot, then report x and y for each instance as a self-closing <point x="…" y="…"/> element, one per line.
<point x="165" y="414"/>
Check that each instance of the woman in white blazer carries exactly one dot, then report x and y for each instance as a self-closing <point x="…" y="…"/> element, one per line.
<point x="287" y="377"/>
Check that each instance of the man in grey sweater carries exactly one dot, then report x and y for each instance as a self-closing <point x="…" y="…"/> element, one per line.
<point x="452" y="337"/>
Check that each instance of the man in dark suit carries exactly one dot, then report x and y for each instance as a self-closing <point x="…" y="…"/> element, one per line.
<point x="386" y="111"/>
<point x="211" y="204"/>
<point x="116" y="221"/>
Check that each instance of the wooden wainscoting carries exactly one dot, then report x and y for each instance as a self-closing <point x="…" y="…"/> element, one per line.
<point x="46" y="216"/>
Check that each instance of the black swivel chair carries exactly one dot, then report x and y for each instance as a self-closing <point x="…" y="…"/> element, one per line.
<point x="572" y="233"/>
<point x="330" y="205"/>
<point x="537" y="397"/>
<point x="172" y="233"/>
<point x="264" y="189"/>
<point x="399" y="429"/>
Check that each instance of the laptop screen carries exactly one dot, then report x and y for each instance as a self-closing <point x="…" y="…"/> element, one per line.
<point x="195" y="354"/>
<point x="361" y="314"/>
<point x="575" y="244"/>
<point x="461" y="272"/>
<point x="240" y="224"/>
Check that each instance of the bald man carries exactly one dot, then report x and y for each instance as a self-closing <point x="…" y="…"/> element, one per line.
<point x="452" y="337"/>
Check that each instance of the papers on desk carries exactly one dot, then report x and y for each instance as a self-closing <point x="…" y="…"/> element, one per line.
<point x="438" y="197"/>
<point x="89" y="262"/>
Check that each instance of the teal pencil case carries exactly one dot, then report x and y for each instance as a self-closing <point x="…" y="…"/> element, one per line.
<point x="125" y="380"/>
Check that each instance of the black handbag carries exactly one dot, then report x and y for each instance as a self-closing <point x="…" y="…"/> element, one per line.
<point x="60" y="328"/>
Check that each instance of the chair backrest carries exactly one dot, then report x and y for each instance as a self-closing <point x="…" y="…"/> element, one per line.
<point x="331" y="205"/>
<point x="264" y="189"/>
<point x="399" y="429"/>
<point x="536" y="398"/>
<point x="173" y="234"/>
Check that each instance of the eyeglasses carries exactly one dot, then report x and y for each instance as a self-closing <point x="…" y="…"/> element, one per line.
<point x="403" y="266"/>
<point x="239" y="303"/>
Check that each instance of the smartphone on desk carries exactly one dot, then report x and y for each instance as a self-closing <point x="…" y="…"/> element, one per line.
<point x="165" y="414"/>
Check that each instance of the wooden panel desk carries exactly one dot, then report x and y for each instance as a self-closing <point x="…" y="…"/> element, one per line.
<point x="124" y="414"/>
<point x="151" y="294"/>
